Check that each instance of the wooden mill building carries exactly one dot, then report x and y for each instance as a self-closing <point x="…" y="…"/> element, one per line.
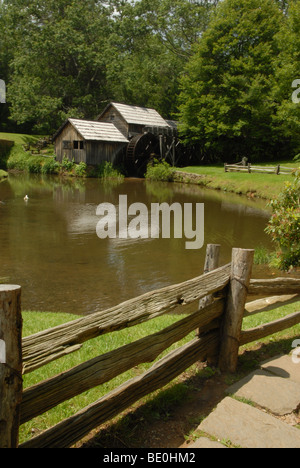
<point x="132" y="120"/>
<point x="88" y="141"/>
<point x="134" y="132"/>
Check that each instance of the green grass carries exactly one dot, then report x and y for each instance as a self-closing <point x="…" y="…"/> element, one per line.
<point x="278" y="343"/>
<point x="22" y="160"/>
<point x="33" y="322"/>
<point x="20" y="139"/>
<point x="265" y="186"/>
<point x="264" y="317"/>
<point x="263" y="256"/>
<point x="3" y="174"/>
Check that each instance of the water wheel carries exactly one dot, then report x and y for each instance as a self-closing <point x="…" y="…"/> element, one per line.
<point x="139" y="151"/>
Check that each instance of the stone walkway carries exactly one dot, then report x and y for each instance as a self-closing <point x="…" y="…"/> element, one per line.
<point x="260" y="411"/>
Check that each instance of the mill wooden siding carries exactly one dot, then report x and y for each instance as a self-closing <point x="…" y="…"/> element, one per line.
<point x="93" y="153"/>
<point x="111" y="115"/>
<point x="131" y="120"/>
<point x="98" y="152"/>
<point x="69" y="134"/>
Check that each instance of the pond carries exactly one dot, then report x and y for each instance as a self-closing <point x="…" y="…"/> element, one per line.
<point x="50" y="247"/>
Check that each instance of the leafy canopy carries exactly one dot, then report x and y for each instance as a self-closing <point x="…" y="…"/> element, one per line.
<point x="225" y="97"/>
<point x="284" y="226"/>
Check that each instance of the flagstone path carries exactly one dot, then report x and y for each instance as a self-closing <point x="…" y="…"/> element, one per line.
<point x="260" y="411"/>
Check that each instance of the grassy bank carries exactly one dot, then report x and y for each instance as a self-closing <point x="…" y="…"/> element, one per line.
<point x="176" y="393"/>
<point x="265" y="186"/>
<point x="3" y="174"/>
<point x="43" y="161"/>
<point x="21" y="158"/>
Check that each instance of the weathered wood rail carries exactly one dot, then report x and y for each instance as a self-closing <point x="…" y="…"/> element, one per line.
<point x="219" y="298"/>
<point x="240" y="167"/>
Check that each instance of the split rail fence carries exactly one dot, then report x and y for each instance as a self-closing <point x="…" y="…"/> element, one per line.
<point x="220" y="297"/>
<point x="240" y="167"/>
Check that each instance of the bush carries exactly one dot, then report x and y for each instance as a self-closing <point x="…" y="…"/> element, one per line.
<point x="80" y="169"/>
<point x="50" y="166"/>
<point x="3" y="175"/>
<point x="5" y="148"/>
<point x="105" y="171"/>
<point x="17" y="159"/>
<point x="67" y="165"/>
<point x="284" y="225"/>
<point x="34" y="165"/>
<point x="297" y="158"/>
<point x="160" y="171"/>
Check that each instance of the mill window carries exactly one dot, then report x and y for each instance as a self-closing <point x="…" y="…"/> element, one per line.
<point x="78" y="145"/>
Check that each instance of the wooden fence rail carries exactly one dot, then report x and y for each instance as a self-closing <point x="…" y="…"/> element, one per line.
<point x="258" y="169"/>
<point x="219" y="298"/>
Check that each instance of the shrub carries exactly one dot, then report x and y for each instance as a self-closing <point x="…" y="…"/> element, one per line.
<point x="5" y="148"/>
<point x="3" y="175"/>
<point x="17" y="159"/>
<point x="50" y="166"/>
<point x="297" y="158"/>
<point x="160" y="171"/>
<point x="284" y="225"/>
<point x="34" y="164"/>
<point x="66" y="164"/>
<point x="106" y="170"/>
<point x="80" y="169"/>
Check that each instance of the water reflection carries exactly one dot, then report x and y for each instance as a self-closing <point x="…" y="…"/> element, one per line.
<point x="50" y="247"/>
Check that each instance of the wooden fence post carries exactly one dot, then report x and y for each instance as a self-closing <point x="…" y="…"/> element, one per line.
<point x="212" y="261"/>
<point x="10" y="364"/>
<point x="241" y="270"/>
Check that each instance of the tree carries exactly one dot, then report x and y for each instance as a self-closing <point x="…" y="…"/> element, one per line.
<point x="6" y="55"/>
<point x="67" y="58"/>
<point x="284" y="225"/>
<point x="151" y="44"/>
<point x="225" y="98"/>
<point x="287" y="75"/>
<point x="59" y="68"/>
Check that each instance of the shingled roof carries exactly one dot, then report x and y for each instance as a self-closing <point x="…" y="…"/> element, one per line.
<point x="95" y="131"/>
<point x="139" y="115"/>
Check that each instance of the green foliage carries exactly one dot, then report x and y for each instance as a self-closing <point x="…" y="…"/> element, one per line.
<point x="3" y="175"/>
<point x="160" y="171"/>
<point x="106" y="171"/>
<point x="64" y="58"/>
<point x="297" y="158"/>
<point x="50" y="166"/>
<point x="284" y="225"/>
<point x="17" y="159"/>
<point x="4" y="154"/>
<point x="67" y="165"/>
<point x="262" y="256"/>
<point x="34" y="164"/>
<point x="81" y="169"/>
<point x="226" y="99"/>
<point x="230" y="62"/>
<point x="287" y="70"/>
<point x="150" y="44"/>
